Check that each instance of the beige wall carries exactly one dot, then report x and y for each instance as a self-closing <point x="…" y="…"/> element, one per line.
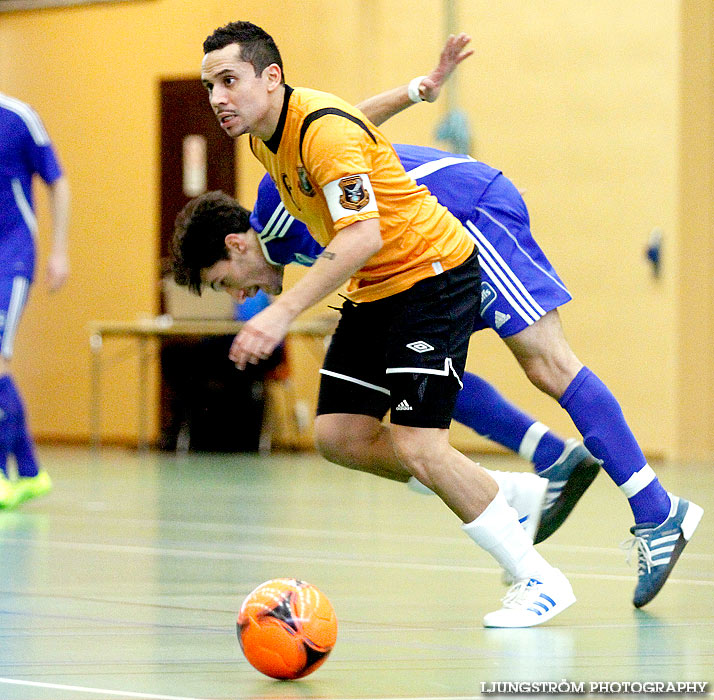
<point x="578" y="102"/>
<point x="581" y="111"/>
<point x="695" y="290"/>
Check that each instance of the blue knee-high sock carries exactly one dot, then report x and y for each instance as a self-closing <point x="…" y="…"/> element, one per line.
<point x="483" y="409"/>
<point x="21" y="443"/>
<point x="599" y="418"/>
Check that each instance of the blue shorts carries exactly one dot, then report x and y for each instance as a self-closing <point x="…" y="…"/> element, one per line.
<point x="518" y="284"/>
<point x="13" y="295"/>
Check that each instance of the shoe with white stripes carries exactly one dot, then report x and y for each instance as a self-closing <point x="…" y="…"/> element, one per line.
<point x="532" y="602"/>
<point x="659" y="546"/>
<point x="568" y="479"/>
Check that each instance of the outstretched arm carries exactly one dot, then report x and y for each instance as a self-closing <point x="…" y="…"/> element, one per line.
<point x="346" y="253"/>
<point x="385" y="105"/>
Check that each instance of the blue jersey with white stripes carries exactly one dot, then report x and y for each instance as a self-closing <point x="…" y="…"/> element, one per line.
<point x="25" y="150"/>
<point x="457" y="181"/>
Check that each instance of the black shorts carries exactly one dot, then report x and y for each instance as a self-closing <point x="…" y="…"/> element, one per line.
<point x="406" y="353"/>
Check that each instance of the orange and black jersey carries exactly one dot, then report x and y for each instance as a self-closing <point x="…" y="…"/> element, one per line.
<point x="333" y="167"/>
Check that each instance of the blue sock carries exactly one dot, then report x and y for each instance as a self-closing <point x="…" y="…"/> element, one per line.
<point x="483" y="409"/>
<point x="6" y="440"/>
<point x="20" y="442"/>
<point x="599" y="418"/>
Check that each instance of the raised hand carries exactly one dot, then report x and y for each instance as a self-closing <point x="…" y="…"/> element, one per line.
<point x="452" y="54"/>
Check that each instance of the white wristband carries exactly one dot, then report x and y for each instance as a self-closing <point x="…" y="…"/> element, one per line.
<point x="413" y="89"/>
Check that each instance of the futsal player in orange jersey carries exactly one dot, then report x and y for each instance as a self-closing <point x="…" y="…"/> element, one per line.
<point x="411" y="269"/>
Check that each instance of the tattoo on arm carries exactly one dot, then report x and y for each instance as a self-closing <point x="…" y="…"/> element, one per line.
<point x="328" y="255"/>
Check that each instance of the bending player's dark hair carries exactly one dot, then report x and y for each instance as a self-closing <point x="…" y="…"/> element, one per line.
<point x="257" y="47"/>
<point x="199" y="239"/>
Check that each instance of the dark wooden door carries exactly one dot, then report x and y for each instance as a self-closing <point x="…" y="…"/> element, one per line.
<point x="196" y="156"/>
<point x="187" y="125"/>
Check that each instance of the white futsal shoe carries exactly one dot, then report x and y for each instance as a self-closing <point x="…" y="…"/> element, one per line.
<point x="532" y="601"/>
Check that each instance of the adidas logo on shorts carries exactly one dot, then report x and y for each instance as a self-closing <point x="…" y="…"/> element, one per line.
<point x="403" y="405"/>
<point x="501" y="318"/>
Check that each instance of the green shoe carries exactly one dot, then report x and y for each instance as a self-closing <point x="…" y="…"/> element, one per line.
<point x="7" y="495"/>
<point x="25" y="488"/>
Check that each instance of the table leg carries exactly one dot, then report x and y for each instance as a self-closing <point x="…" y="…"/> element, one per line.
<point x="143" y="437"/>
<point x="95" y="395"/>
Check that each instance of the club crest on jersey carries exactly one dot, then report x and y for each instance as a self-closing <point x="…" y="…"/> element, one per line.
<point x="354" y="194"/>
<point x="305" y="184"/>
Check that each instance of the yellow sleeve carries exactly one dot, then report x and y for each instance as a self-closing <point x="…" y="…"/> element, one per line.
<point x="337" y="153"/>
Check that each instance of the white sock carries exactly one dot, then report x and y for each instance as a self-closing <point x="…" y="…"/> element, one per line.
<point x="498" y="531"/>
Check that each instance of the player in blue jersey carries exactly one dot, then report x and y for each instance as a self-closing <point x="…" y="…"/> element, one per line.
<point x="518" y="284"/>
<point x="520" y="296"/>
<point x="272" y="238"/>
<point x="25" y="151"/>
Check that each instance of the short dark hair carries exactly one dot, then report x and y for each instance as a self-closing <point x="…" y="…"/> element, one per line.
<point x="199" y="239"/>
<point x="257" y="47"/>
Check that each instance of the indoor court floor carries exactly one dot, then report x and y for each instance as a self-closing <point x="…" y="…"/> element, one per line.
<point x="125" y="582"/>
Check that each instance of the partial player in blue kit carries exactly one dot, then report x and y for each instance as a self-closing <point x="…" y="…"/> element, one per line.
<point x="274" y="239"/>
<point x="520" y="296"/>
<point x="518" y="286"/>
<point x="25" y="151"/>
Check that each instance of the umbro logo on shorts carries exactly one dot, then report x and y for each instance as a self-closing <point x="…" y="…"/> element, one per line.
<point x="403" y="406"/>
<point x="420" y="346"/>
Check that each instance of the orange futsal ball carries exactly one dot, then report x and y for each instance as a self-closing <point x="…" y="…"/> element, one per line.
<point x="286" y="628"/>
